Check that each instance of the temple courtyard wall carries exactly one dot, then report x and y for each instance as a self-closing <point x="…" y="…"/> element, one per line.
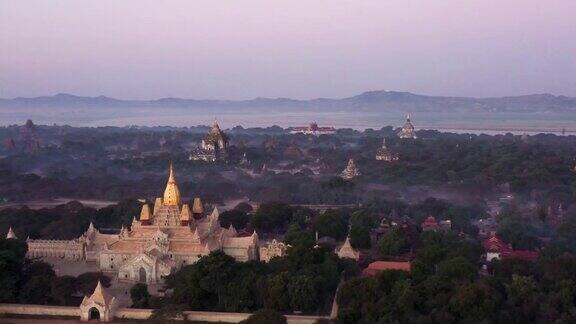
<point x="140" y="314"/>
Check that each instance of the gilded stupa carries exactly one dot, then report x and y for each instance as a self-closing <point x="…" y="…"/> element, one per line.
<point x="172" y="193"/>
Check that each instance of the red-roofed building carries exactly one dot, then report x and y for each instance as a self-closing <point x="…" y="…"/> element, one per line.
<point x="429" y="224"/>
<point x="497" y="249"/>
<point x="375" y="268"/>
<point x="526" y="255"/>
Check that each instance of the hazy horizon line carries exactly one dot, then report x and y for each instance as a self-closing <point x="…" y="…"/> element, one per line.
<point x="282" y="97"/>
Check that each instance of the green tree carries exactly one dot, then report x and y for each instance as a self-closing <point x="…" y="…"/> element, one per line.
<point x="234" y="217"/>
<point x="394" y="243"/>
<point x="331" y="224"/>
<point x="140" y="296"/>
<point x="360" y="237"/>
<point x="62" y="289"/>
<point x="12" y="253"/>
<point x="265" y="316"/>
<point x="302" y="292"/>
<point x="277" y="298"/>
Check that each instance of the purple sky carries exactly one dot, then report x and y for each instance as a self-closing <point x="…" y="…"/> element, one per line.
<point x="241" y="49"/>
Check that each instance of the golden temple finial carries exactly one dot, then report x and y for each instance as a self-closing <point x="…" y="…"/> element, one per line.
<point x="172" y="193"/>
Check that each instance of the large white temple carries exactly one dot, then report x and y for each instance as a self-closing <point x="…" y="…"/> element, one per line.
<point x="160" y="242"/>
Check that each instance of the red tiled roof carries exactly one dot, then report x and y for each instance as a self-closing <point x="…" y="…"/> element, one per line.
<point x="494" y="244"/>
<point x="430" y="221"/>
<point x="376" y="267"/>
<point x="521" y="254"/>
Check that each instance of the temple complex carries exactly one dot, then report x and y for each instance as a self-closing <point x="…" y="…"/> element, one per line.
<point x="164" y="238"/>
<point x="313" y="129"/>
<point x="351" y="171"/>
<point x="384" y="154"/>
<point x="407" y="130"/>
<point x="214" y="146"/>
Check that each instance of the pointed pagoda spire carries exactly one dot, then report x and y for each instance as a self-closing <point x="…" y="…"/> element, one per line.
<point x="196" y="235"/>
<point x="185" y="215"/>
<point x="232" y="230"/>
<point x="172" y="193"/>
<point x="157" y="204"/>
<point x="11" y="234"/>
<point x="145" y="214"/>
<point x="197" y="207"/>
<point x="347" y="251"/>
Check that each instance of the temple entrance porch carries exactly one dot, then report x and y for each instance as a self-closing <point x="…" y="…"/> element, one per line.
<point x="94" y="314"/>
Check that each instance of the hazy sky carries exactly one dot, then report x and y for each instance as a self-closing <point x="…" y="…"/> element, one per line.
<point x="240" y="49"/>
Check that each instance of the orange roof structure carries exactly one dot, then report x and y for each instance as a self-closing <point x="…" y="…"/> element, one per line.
<point x="376" y="267"/>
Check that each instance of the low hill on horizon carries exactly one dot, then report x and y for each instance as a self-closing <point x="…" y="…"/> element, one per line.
<point x="371" y="101"/>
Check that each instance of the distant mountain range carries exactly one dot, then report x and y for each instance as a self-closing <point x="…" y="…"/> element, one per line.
<point x="372" y="101"/>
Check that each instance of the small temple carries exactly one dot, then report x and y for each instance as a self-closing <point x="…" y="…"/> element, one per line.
<point x="496" y="249"/>
<point x="351" y="171"/>
<point x="431" y="224"/>
<point x="407" y="130"/>
<point x="99" y="306"/>
<point x="272" y="249"/>
<point x="214" y="146"/>
<point x="313" y="129"/>
<point x="347" y="251"/>
<point x="384" y="154"/>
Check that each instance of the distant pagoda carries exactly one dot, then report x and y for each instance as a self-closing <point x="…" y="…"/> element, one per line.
<point x="408" y="129"/>
<point x="214" y="146"/>
<point x="384" y="154"/>
<point x="351" y="171"/>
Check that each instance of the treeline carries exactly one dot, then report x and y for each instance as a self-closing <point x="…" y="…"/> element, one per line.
<point x="444" y="286"/>
<point x="33" y="282"/>
<point x="303" y="281"/>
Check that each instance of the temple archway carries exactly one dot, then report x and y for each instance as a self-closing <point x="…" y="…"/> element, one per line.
<point x="94" y="314"/>
<point x="142" y="275"/>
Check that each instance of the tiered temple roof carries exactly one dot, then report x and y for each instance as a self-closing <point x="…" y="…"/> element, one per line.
<point x="384" y="154"/>
<point x="214" y="145"/>
<point x="408" y="130"/>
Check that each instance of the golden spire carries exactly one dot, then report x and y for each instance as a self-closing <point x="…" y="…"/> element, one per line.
<point x="171" y="194"/>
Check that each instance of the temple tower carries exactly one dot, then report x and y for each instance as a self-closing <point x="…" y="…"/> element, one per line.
<point x="408" y="130"/>
<point x="384" y="154"/>
<point x="351" y="171"/>
<point x="172" y="193"/>
<point x="11" y="234"/>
